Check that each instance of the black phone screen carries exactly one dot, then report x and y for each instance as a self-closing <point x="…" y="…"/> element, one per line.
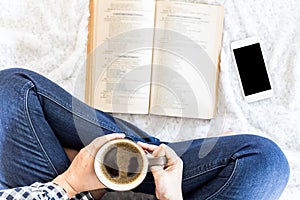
<point x="252" y="69"/>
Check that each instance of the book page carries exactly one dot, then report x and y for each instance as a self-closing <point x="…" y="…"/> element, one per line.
<point x="123" y="55"/>
<point x="185" y="64"/>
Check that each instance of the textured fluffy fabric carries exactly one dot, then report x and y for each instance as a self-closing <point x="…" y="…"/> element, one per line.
<point x="50" y="37"/>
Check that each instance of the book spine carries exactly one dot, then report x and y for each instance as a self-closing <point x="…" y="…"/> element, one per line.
<point x="89" y="58"/>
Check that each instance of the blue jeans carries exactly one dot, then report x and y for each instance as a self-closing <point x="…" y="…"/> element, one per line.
<point x="38" y="119"/>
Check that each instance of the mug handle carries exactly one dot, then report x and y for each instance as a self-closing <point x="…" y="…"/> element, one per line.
<point x="156" y="161"/>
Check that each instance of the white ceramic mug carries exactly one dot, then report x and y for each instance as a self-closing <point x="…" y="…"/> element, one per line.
<point x="122" y="165"/>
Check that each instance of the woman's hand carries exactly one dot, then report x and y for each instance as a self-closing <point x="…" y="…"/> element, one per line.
<point x="168" y="180"/>
<point x="81" y="176"/>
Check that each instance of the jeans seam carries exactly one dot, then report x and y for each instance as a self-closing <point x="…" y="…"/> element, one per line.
<point x="33" y="129"/>
<point x="101" y="125"/>
<point x="227" y="182"/>
<point x="199" y="174"/>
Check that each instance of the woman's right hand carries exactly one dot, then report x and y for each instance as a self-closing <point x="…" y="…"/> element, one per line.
<point x="81" y="176"/>
<point x="168" y="180"/>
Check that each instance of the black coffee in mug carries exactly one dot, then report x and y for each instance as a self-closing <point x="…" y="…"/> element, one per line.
<point x="122" y="165"/>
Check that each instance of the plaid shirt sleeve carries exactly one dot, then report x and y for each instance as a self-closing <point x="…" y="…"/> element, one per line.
<point x="41" y="191"/>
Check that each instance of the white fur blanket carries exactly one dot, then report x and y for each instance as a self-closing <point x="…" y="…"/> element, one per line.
<point x="50" y="37"/>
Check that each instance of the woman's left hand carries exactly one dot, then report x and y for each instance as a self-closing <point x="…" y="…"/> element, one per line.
<point x="167" y="180"/>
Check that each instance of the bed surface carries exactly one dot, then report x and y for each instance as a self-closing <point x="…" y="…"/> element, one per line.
<point x="50" y="37"/>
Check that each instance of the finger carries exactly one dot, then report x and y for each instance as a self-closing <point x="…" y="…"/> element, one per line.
<point x="109" y="137"/>
<point x="157" y="171"/>
<point x="114" y="136"/>
<point x="148" y="147"/>
<point x="164" y="150"/>
<point x="227" y="133"/>
<point x="98" y="142"/>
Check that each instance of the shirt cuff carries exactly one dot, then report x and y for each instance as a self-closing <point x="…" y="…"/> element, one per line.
<point x="81" y="195"/>
<point x="51" y="189"/>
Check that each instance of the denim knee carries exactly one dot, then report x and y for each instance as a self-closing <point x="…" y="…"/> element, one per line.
<point x="11" y="71"/>
<point x="13" y="77"/>
<point x="266" y="160"/>
<point x="264" y="150"/>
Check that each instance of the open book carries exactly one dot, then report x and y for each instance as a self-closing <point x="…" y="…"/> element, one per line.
<point x="154" y="57"/>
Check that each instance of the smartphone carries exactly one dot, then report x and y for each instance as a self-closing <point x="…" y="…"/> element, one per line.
<point x="252" y="70"/>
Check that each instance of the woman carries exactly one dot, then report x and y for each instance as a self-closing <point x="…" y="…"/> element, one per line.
<point x="41" y="125"/>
